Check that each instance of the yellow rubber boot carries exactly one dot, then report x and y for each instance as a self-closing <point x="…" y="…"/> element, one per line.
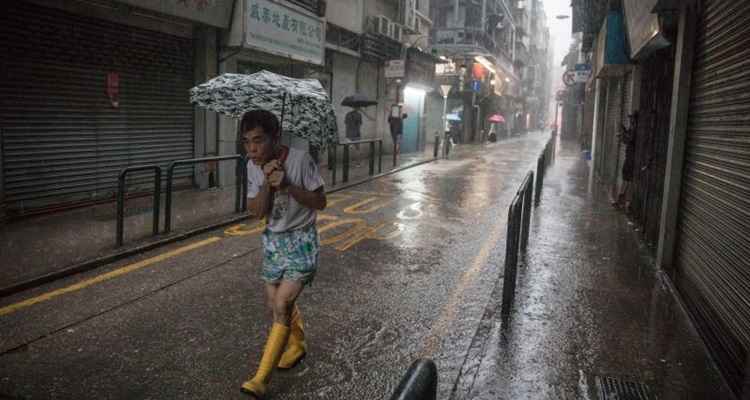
<point x="274" y="346"/>
<point x="296" y="346"/>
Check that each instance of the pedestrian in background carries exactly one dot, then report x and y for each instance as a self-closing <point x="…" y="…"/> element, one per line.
<point x="284" y="187"/>
<point x="627" y="138"/>
<point x="396" y="123"/>
<point x="353" y="123"/>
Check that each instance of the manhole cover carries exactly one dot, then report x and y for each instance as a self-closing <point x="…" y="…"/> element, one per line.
<point x="610" y="388"/>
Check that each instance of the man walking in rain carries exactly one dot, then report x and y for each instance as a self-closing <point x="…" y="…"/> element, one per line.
<point x="285" y="187"/>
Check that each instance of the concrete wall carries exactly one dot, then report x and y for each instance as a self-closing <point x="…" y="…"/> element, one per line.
<point x="351" y="75"/>
<point x="382" y="7"/>
<point x="433" y="111"/>
<point x="368" y="85"/>
<point x="343" y="84"/>
<point x="206" y="122"/>
<point x="347" y="14"/>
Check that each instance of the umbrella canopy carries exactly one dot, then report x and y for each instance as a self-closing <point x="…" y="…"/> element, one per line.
<point x="496" y="118"/>
<point x="453" y="117"/>
<point x="302" y="105"/>
<point x="358" y="100"/>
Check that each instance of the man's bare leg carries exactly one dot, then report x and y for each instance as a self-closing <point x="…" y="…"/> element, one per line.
<point x="271" y="289"/>
<point x="283" y="301"/>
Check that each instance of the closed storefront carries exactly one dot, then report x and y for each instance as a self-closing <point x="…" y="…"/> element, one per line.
<point x="609" y="155"/>
<point x="712" y="255"/>
<point x="651" y="142"/>
<point x="81" y="98"/>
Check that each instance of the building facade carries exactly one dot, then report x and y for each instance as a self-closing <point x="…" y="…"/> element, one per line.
<point x="112" y="90"/>
<point x="497" y="55"/>
<point x="684" y="85"/>
<point x="91" y="87"/>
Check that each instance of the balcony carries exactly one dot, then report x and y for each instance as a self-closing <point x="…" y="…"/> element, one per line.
<point x="464" y="39"/>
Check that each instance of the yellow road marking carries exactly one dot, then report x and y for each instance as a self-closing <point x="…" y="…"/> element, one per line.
<point x="104" y="277"/>
<point x="333" y="199"/>
<point x="448" y="314"/>
<point x="356" y="225"/>
<point x="357" y="208"/>
<point x="369" y="233"/>
<point x="243" y="229"/>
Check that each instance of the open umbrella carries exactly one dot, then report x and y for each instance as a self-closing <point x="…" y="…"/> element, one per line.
<point x="358" y="100"/>
<point x="452" y="117"/>
<point x="496" y="118"/>
<point x="302" y="105"/>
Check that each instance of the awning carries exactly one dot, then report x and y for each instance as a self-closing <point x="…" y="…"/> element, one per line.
<point x="644" y="31"/>
<point x="611" y="49"/>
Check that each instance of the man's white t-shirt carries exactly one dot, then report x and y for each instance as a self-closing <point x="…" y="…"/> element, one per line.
<point x="287" y="214"/>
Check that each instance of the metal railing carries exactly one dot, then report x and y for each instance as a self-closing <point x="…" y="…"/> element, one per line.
<point x="121" y="199"/>
<point x="436" y="148"/>
<point x="543" y="162"/>
<point x="240" y="203"/>
<point x="519" y="219"/>
<point x="419" y="383"/>
<point x="346" y="162"/>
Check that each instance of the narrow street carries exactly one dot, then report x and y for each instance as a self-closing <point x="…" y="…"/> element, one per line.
<point x="516" y="199"/>
<point x="408" y="265"/>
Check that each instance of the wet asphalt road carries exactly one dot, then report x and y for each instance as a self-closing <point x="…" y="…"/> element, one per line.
<point x="408" y="266"/>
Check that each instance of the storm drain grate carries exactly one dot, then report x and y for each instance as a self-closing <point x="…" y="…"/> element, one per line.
<point x="610" y="388"/>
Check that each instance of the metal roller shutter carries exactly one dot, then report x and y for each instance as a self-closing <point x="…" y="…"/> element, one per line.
<point x="652" y="141"/>
<point x="627" y="98"/>
<point x="614" y="105"/>
<point x="713" y="249"/>
<point x="63" y="141"/>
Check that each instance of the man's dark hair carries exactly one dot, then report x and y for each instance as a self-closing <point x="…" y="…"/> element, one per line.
<point x="260" y="118"/>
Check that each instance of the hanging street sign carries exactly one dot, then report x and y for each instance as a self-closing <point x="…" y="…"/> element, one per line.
<point x="582" y="73"/>
<point x="569" y="78"/>
<point x="445" y="89"/>
<point x="476" y="86"/>
<point x="275" y="28"/>
<point x="395" y="69"/>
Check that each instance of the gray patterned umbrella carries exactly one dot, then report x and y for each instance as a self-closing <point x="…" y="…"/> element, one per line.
<point x="302" y="105"/>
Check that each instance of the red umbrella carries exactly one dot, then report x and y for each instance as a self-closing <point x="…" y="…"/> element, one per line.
<point x="496" y="118"/>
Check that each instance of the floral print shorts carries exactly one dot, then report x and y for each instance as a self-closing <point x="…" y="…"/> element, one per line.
<point x="291" y="255"/>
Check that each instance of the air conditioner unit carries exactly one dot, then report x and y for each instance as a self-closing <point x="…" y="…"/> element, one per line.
<point x="380" y="25"/>
<point x="397" y="31"/>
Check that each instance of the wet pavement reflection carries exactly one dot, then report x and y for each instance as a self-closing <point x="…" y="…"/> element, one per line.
<point x="589" y="304"/>
<point x="410" y="268"/>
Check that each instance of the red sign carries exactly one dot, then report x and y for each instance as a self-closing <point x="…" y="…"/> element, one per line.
<point x="478" y="71"/>
<point x="569" y="78"/>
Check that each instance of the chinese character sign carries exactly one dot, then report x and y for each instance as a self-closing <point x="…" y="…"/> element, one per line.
<point x="277" y="29"/>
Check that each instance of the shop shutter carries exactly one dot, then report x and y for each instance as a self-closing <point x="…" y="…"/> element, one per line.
<point x="713" y="250"/>
<point x="611" y="147"/>
<point x="63" y="141"/>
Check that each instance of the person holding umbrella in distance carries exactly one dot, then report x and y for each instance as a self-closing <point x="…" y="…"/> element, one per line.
<point x="353" y="119"/>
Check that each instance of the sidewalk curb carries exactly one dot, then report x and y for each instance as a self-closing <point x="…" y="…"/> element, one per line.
<point x="108" y="259"/>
